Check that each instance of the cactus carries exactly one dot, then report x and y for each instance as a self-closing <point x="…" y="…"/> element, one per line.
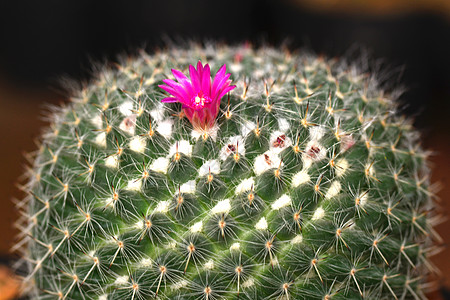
<point x="291" y="177"/>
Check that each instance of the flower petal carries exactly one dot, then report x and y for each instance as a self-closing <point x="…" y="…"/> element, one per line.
<point x="206" y="80"/>
<point x="217" y="85"/>
<point x="176" y="90"/>
<point x="199" y="69"/>
<point x="171" y="83"/>
<point x="219" y="76"/>
<point x="169" y="100"/>
<point x="179" y="76"/>
<point x="195" y="79"/>
<point x="167" y="88"/>
<point x="226" y="90"/>
<point x="184" y="81"/>
<point x="221" y="71"/>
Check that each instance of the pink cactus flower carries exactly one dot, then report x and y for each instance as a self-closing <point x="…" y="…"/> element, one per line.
<point x="200" y="98"/>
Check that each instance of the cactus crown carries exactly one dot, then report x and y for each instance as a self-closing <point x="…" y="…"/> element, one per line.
<point x="302" y="183"/>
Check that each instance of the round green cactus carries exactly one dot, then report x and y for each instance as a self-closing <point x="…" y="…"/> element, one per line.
<point x="302" y="183"/>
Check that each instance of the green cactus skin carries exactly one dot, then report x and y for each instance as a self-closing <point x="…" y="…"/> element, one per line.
<point x="310" y="187"/>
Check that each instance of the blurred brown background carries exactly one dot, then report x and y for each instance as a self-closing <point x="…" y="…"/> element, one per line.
<point x="42" y="41"/>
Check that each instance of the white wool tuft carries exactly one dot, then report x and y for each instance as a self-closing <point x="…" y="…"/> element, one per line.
<point x="246" y="127"/>
<point x="209" y="265"/>
<point x="112" y="161"/>
<point x="262" y="224"/>
<point x="163" y="206"/>
<point x="183" y="147"/>
<point x="139" y="224"/>
<point x="363" y="199"/>
<point x="297" y="240"/>
<point x="235" y="247"/>
<point x="211" y="132"/>
<point x="235" y="67"/>
<point x="276" y="147"/>
<point x="245" y="185"/>
<point x="318" y="214"/>
<point x="134" y="184"/>
<point x="180" y="284"/>
<point x="334" y="190"/>
<point x="283" y="124"/>
<point x="283" y="201"/>
<point x="197" y="227"/>
<point x="237" y="141"/>
<point x="157" y="114"/>
<point x="266" y="161"/>
<point x="100" y="139"/>
<point x="160" y="165"/>
<point x="188" y="187"/>
<point x="316" y="132"/>
<point x="221" y="207"/>
<point x="300" y="178"/>
<point x="97" y="121"/>
<point x="313" y="152"/>
<point x="128" y="124"/>
<point x="342" y="166"/>
<point x="138" y="144"/>
<point x="126" y="108"/>
<point x="121" y="280"/>
<point x="248" y="283"/>
<point x="165" y="128"/>
<point x="146" y="262"/>
<point x="210" y="165"/>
